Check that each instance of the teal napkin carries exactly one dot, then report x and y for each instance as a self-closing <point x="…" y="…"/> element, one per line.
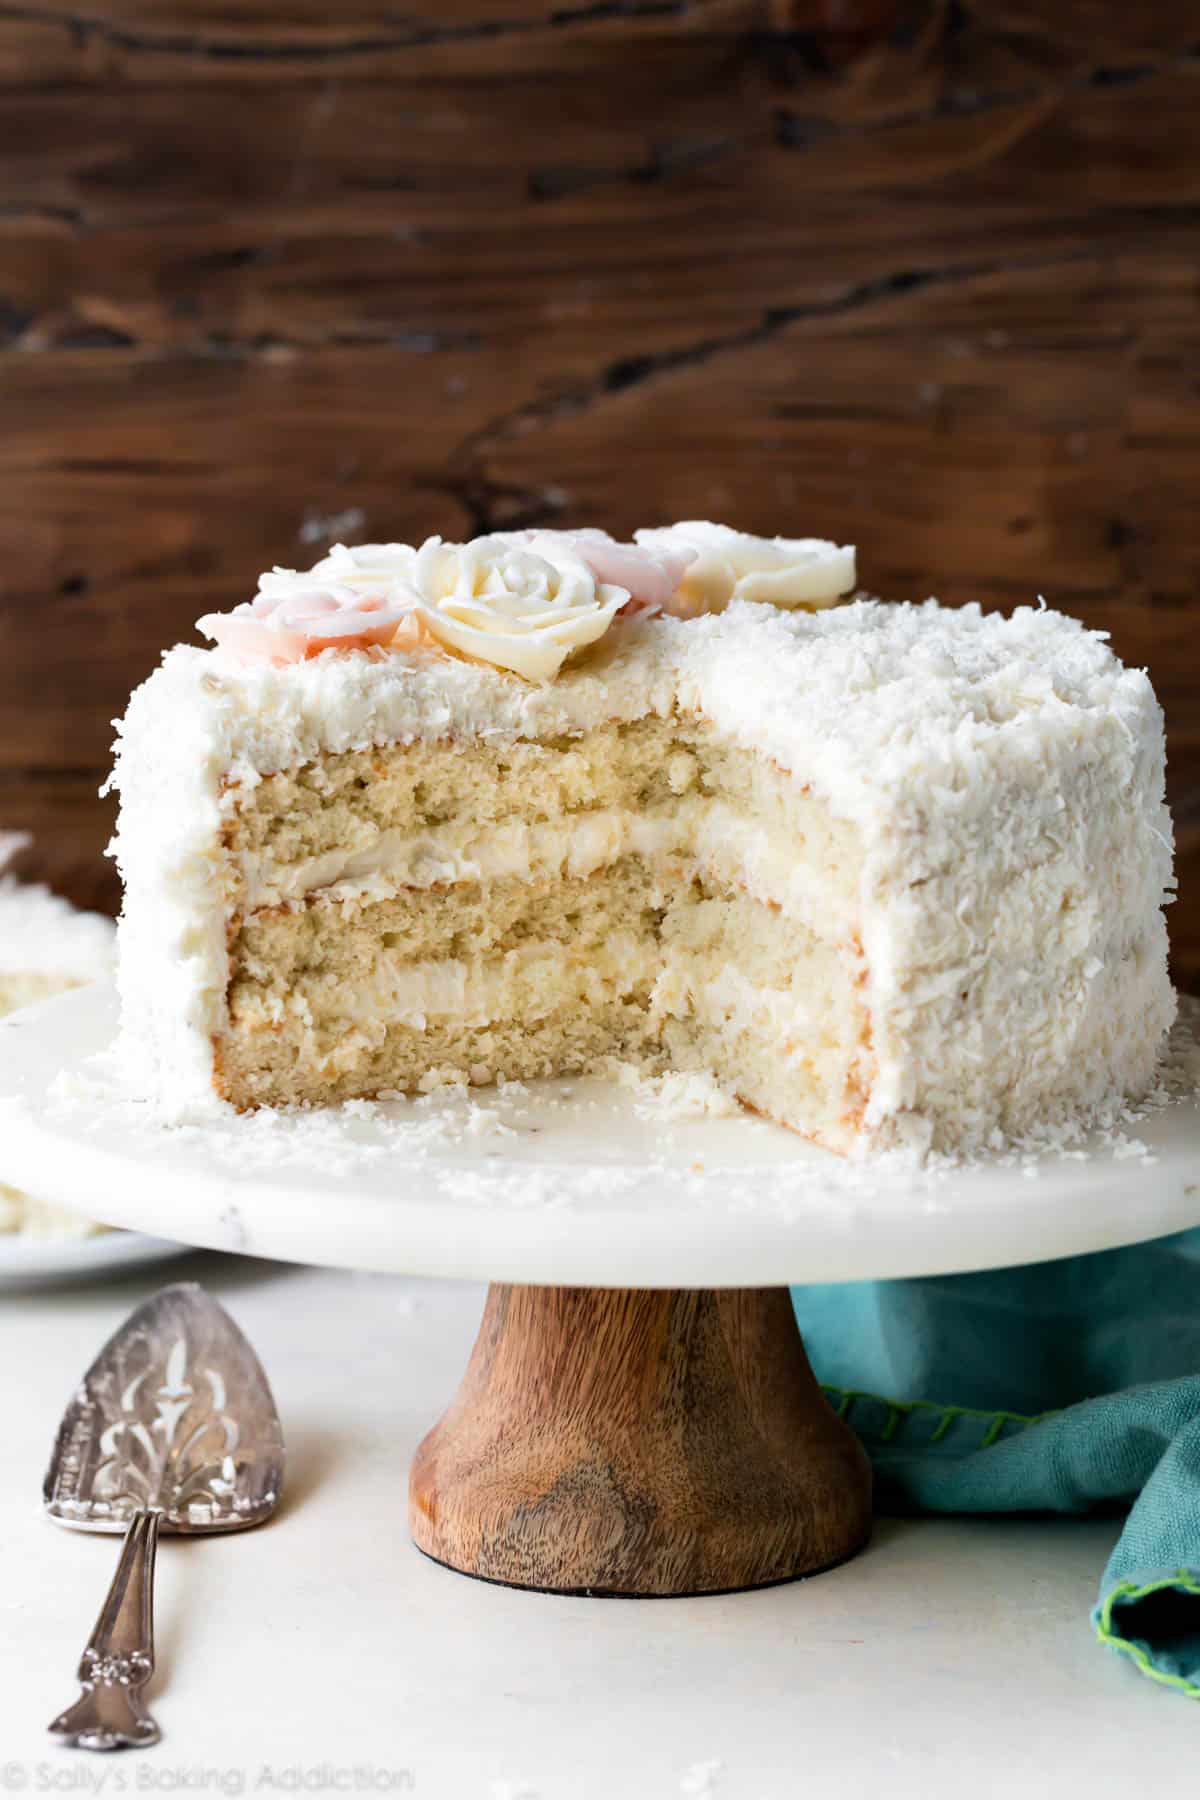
<point x="1064" y="1387"/>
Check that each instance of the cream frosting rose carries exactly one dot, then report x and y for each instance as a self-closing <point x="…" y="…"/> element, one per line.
<point x="503" y="601"/>
<point x="298" y="616"/>
<point x="374" y="568"/>
<point x="520" y="600"/>
<point x="650" y="575"/>
<point x="736" y="565"/>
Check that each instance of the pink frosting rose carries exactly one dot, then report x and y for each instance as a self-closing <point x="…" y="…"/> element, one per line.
<point x="289" y="627"/>
<point x="650" y="576"/>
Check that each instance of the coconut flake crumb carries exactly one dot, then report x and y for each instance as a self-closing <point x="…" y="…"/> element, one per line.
<point x="700" y="1780"/>
<point x="435" y="1080"/>
<point x="678" y="1094"/>
<point x="485" y="1121"/>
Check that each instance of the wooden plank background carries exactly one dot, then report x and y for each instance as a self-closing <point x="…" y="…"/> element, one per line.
<point x="921" y="276"/>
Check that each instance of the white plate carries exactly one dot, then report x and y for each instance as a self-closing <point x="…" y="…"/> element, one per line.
<point x="579" y="1187"/>
<point x="43" y="1262"/>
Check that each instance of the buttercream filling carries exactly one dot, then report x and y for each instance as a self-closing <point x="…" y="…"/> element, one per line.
<point x="708" y="833"/>
<point x="536" y="979"/>
<point x="532" y="981"/>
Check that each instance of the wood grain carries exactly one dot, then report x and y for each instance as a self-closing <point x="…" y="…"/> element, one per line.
<point x="639" y="1443"/>
<point x="916" y="273"/>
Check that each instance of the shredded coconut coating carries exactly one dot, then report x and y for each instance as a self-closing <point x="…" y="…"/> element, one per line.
<point x="1002" y="772"/>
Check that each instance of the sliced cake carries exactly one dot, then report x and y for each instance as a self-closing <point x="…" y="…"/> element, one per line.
<point x="892" y="873"/>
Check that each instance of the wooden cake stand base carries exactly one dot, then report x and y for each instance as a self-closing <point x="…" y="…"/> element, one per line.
<point x="639" y="1442"/>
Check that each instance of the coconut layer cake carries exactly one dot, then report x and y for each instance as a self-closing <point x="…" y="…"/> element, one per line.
<point x="46" y="947"/>
<point x="892" y="874"/>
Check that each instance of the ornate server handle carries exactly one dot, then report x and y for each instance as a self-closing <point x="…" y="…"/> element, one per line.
<point x="110" y="1714"/>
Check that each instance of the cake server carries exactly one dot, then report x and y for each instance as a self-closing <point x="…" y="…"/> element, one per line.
<point x="172" y="1429"/>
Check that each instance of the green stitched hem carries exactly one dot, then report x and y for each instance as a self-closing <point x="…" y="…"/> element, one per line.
<point x="843" y="1399"/>
<point x="1130" y="1590"/>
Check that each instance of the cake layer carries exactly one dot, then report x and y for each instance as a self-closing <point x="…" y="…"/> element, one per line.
<point x="533" y="980"/>
<point x="515" y="980"/>
<point x="656" y="788"/>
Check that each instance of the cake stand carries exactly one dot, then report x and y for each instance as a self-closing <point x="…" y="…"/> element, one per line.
<point x="638" y="1415"/>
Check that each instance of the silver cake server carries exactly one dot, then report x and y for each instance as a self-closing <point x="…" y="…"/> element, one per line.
<point x="172" y="1428"/>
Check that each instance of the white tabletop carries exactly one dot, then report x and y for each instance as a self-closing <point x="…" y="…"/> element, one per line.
<point x="952" y="1656"/>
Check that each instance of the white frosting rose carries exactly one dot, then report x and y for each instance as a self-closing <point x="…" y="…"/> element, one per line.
<point x="521" y="600"/>
<point x="650" y="575"/>
<point x="377" y="568"/>
<point x="736" y="565"/>
<point x="504" y="602"/>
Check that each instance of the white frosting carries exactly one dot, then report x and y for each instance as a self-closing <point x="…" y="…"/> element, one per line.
<point x="472" y="992"/>
<point x="512" y="605"/>
<point x="735" y="565"/>
<point x="1004" y="775"/>
<point x="709" y="835"/>
<point x="516" y="848"/>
